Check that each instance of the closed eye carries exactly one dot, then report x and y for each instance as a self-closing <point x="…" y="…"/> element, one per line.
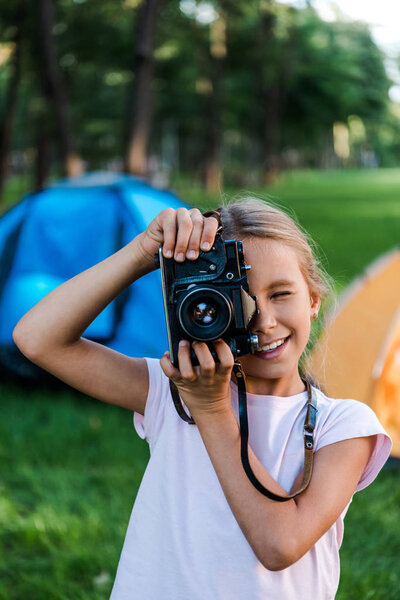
<point x="281" y="294"/>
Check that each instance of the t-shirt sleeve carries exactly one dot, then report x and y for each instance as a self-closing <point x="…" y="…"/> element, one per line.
<point x="148" y="426"/>
<point x="350" y="419"/>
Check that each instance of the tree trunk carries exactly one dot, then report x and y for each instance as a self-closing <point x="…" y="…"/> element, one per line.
<point x="213" y="171"/>
<point x="271" y="100"/>
<point x="55" y="90"/>
<point x="271" y="163"/>
<point x="6" y="126"/>
<point x="140" y="95"/>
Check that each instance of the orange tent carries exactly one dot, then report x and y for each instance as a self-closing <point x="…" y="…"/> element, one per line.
<point x="358" y="355"/>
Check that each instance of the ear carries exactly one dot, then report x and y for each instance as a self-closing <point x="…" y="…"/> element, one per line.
<point x="315" y="303"/>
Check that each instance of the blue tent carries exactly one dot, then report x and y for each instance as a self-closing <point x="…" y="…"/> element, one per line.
<point x="52" y="235"/>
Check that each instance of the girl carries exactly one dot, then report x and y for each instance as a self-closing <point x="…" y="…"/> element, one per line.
<point x="199" y="529"/>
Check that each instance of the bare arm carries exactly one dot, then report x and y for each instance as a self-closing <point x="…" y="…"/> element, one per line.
<point x="279" y="532"/>
<point x="50" y="333"/>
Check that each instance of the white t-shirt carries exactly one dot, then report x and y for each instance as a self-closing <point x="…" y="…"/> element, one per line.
<point x="183" y="542"/>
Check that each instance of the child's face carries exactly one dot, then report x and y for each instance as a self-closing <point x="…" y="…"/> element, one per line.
<point x="284" y="310"/>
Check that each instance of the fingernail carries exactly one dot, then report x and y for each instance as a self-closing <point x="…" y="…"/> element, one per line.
<point x="168" y="253"/>
<point x="191" y="254"/>
<point x="205" y="246"/>
<point x="183" y="343"/>
<point x="180" y="257"/>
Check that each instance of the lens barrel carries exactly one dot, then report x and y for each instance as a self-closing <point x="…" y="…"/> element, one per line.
<point x="205" y="313"/>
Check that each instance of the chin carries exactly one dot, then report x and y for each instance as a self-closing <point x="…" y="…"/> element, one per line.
<point x="256" y="367"/>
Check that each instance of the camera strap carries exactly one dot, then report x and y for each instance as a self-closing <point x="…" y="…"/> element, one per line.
<point x="309" y="426"/>
<point x="216" y="215"/>
<point x="178" y="404"/>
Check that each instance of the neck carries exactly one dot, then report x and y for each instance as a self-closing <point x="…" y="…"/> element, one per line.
<point x="280" y="386"/>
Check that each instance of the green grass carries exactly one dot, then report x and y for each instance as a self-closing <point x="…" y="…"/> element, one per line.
<point x="371" y="548"/>
<point x="354" y="216"/>
<point x="15" y="187"/>
<point x="70" y="467"/>
<point x="70" y="471"/>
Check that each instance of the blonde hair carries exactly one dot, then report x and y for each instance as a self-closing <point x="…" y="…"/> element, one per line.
<point x="249" y="217"/>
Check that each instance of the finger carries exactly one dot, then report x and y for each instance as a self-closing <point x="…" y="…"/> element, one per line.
<point x="168" y="226"/>
<point x="225" y="357"/>
<point x="206" y="361"/>
<point x="185" y="364"/>
<point x="169" y="370"/>
<point x="209" y="230"/>
<point x="185" y="226"/>
<point x="194" y="241"/>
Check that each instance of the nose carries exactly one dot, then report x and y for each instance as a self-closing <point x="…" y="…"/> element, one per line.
<point x="264" y="320"/>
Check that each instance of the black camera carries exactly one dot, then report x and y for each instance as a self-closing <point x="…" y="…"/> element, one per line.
<point x="208" y="298"/>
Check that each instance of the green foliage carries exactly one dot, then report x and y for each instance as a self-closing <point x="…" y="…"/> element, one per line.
<point x="323" y="72"/>
<point x="338" y="72"/>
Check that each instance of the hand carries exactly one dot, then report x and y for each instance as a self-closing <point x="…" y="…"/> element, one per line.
<point x="182" y="233"/>
<point x="204" y="389"/>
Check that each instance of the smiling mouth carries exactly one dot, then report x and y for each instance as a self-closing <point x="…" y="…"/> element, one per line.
<point x="273" y="345"/>
<point x="267" y="353"/>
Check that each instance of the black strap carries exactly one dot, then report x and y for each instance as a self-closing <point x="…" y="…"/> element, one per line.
<point x="309" y="427"/>
<point x="178" y="404"/>
<point x="216" y="214"/>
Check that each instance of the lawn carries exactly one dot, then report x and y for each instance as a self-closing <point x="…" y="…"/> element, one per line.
<point x="353" y="216"/>
<point x="70" y="467"/>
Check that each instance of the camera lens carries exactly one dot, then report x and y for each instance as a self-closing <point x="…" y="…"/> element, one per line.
<point x="205" y="313"/>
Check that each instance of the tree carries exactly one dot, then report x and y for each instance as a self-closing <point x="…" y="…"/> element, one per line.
<point x="54" y="89"/>
<point x="270" y="91"/>
<point x="218" y="51"/>
<point x="7" y="122"/>
<point x="140" y="97"/>
<point x="283" y="79"/>
<point x="309" y="75"/>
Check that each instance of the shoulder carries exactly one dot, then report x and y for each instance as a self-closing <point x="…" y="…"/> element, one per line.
<point x="148" y="426"/>
<point x="332" y="409"/>
<point x="158" y="381"/>
<point x="340" y="419"/>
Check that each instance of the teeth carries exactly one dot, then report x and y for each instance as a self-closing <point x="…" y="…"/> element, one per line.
<point x="273" y="345"/>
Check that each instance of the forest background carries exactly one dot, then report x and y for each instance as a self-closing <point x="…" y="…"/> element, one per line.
<point x="223" y="93"/>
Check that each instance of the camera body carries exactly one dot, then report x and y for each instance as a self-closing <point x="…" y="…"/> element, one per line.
<point x="208" y="298"/>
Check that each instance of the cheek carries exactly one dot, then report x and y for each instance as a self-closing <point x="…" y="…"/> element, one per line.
<point x="306" y="331"/>
<point x="291" y="311"/>
<point x="304" y="325"/>
<point x="296" y="314"/>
